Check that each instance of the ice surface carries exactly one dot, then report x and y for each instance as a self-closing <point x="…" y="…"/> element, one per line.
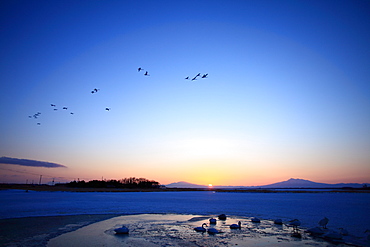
<point x="347" y="210"/>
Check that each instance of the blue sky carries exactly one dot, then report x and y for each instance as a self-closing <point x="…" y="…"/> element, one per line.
<point x="287" y="93"/>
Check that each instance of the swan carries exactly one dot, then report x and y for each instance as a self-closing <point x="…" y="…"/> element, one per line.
<point x="121" y="230"/>
<point x="295" y="224"/>
<point x="236" y="226"/>
<point x="222" y="217"/>
<point x="255" y="220"/>
<point x="212" y="221"/>
<point x="212" y="231"/>
<point x="316" y="231"/>
<point x="323" y="222"/>
<point x="201" y="228"/>
<point x="278" y="221"/>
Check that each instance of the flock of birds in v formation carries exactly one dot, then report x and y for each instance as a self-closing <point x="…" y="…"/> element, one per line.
<point x="95" y="90"/>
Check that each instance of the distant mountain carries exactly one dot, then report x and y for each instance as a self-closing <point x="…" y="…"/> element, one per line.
<point x="183" y="184"/>
<point x="290" y="183"/>
<point x="296" y="183"/>
<point x="302" y="183"/>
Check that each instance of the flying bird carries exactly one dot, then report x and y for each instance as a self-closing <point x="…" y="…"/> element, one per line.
<point x="139" y="69"/>
<point x="38" y="123"/>
<point x="107" y="109"/>
<point x="95" y="90"/>
<point x="194" y="79"/>
<point x="197" y="75"/>
<point x="53" y="105"/>
<point x="146" y="73"/>
<point x="65" y="108"/>
<point x="205" y="76"/>
<point x="72" y="113"/>
<point x="187" y="78"/>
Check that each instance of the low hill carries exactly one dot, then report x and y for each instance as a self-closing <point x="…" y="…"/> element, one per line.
<point x="183" y="184"/>
<point x="290" y="183"/>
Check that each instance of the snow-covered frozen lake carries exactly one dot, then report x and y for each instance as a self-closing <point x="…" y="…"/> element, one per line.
<point x="347" y="210"/>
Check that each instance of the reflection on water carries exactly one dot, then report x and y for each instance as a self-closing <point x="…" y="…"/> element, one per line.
<point x="178" y="230"/>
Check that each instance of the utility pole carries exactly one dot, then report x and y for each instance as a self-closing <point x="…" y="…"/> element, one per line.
<point x="40" y="179"/>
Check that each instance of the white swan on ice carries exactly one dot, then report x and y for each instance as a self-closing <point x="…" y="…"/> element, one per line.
<point x="201" y="228"/>
<point x="236" y="226"/>
<point x="121" y="230"/>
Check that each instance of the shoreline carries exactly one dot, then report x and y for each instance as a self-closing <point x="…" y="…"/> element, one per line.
<point x="149" y="230"/>
<point x="63" y="188"/>
<point x="38" y="230"/>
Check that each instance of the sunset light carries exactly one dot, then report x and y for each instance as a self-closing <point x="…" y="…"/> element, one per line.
<point x="251" y="98"/>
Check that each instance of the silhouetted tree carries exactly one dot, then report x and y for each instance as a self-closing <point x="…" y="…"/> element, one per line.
<point x="130" y="182"/>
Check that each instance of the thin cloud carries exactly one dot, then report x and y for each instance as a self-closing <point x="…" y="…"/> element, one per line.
<point x="25" y="162"/>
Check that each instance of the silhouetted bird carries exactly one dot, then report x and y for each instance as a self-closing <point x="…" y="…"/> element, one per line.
<point x="95" y="90"/>
<point x="72" y="113"/>
<point x="255" y="220"/>
<point x="194" y="79"/>
<point x="197" y="75"/>
<point x="278" y="221"/>
<point x="201" y="229"/>
<point x="212" y="230"/>
<point x="205" y="76"/>
<point x="121" y="230"/>
<point x="139" y="69"/>
<point x="187" y="78"/>
<point x="65" y="108"/>
<point x="107" y="109"/>
<point x="323" y="222"/>
<point x="236" y="226"/>
<point x="146" y="73"/>
<point x="55" y="109"/>
<point x="53" y="105"/>
<point x="222" y="217"/>
<point x="294" y="223"/>
<point x="38" y="123"/>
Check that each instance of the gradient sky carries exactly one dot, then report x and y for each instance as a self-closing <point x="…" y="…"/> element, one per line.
<point x="287" y="93"/>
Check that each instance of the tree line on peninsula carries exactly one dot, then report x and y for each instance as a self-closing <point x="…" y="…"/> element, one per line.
<point x="129" y="183"/>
